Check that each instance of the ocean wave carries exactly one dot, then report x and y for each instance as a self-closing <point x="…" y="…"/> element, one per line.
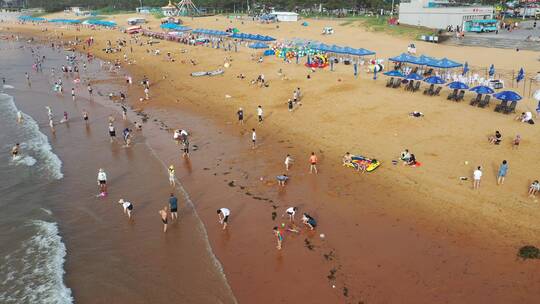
<point x="34" y="272"/>
<point x="25" y="160"/>
<point x="35" y="140"/>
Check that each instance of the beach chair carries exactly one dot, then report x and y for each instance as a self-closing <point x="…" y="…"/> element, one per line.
<point x="485" y="102"/>
<point x="416" y="86"/>
<point x="437" y="91"/>
<point x="476" y="100"/>
<point x="460" y="96"/>
<point x="511" y="108"/>
<point x="414" y="70"/>
<point x="397" y="83"/>
<point x="409" y="86"/>
<point x="452" y="95"/>
<point x="428" y="73"/>
<point x="390" y="82"/>
<point x="429" y="91"/>
<point x="502" y="106"/>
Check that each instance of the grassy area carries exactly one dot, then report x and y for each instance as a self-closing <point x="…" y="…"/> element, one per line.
<point x="112" y="11"/>
<point x="380" y="24"/>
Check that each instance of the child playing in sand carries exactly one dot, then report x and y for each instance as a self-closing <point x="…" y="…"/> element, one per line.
<point x="313" y="163"/>
<point x="288" y="162"/>
<point x="516" y="141"/>
<point x="309" y="221"/>
<point x="495" y="139"/>
<point x="291" y="211"/>
<point x="223" y="216"/>
<point x="477" y="175"/>
<point x="534" y="188"/>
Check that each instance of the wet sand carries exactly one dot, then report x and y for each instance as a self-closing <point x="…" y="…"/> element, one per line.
<point x="402" y="235"/>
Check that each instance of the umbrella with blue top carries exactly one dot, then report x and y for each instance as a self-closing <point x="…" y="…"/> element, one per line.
<point x="394" y="73"/>
<point x="413" y="76"/>
<point x="507" y="96"/>
<point x="482" y="90"/>
<point x="458" y="85"/>
<point x="434" y="80"/>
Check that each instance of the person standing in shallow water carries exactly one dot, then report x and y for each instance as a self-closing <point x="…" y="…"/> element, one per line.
<point x="164" y="219"/>
<point x="173" y="205"/>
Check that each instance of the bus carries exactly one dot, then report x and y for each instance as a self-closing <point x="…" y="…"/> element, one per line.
<point x="481" y="26"/>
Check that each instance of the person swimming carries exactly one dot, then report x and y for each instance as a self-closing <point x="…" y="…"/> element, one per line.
<point x="15" y="150"/>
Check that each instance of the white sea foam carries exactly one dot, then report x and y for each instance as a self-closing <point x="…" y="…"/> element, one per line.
<point x="7" y="86"/>
<point x="34" y="140"/>
<point x="34" y="272"/>
<point x="25" y="160"/>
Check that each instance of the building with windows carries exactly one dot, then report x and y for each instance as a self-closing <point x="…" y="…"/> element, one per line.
<point x="440" y="14"/>
<point x="285" y="16"/>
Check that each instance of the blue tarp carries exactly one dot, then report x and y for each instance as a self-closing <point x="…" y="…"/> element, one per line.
<point x="458" y="85"/>
<point x="482" y="90"/>
<point x="434" y="80"/>
<point x="176" y="27"/>
<point x="394" y="73"/>
<point x="508" y="96"/>
<point x="72" y="21"/>
<point x="32" y="19"/>
<point x="269" y="53"/>
<point x="209" y="32"/>
<point x="100" y="22"/>
<point x="258" y="45"/>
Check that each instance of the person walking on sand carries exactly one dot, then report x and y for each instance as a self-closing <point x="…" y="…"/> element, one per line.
<point x="279" y="237"/>
<point x="291" y="211"/>
<point x="313" y="163"/>
<point x="112" y="132"/>
<point x="146" y="96"/>
<point x="164" y="219"/>
<point x="173" y="204"/>
<point x="503" y="169"/>
<point x="185" y="146"/>
<point x="172" y="177"/>
<point x="477" y="175"/>
<point x="253" y="138"/>
<point x="128" y="207"/>
<point x="102" y="181"/>
<point x="223" y="216"/>
<point x="288" y="162"/>
<point x="260" y="114"/>
<point x="73" y="93"/>
<point x="240" y="114"/>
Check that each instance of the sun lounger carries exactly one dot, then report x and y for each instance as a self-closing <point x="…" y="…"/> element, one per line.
<point x="511" y="108"/>
<point x="429" y="91"/>
<point x="414" y="70"/>
<point x="502" y="106"/>
<point x="485" y="102"/>
<point x="452" y="95"/>
<point x="476" y="100"/>
<point x="460" y="96"/>
<point x="428" y="73"/>
<point x="416" y="86"/>
<point x="437" y="91"/>
<point x="397" y="83"/>
<point x="390" y="82"/>
<point x="409" y="86"/>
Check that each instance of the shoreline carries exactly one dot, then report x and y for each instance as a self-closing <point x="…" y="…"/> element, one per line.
<point x="432" y="224"/>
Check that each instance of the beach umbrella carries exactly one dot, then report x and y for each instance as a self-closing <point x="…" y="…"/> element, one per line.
<point x="457" y="85"/>
<point x="507" y="96"/>
<point x="520" y="75"/>
<point x="258" y="45"/>
<point x="465" y="69"/>
<point x="492" y="70"/>
<point x="394" y="73"/>
<point x="482" y="90"/>
<point x="413" y="76"/>
<point x="434" y="80"/>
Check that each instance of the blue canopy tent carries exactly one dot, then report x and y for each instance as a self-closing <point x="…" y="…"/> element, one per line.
<point x="457" y="85"/>
<point x="363" y="52"/>
<point x="32" y="19"/>
<point x="68" y="21"/>
<point x="394" y="73"/>
<point x="258" y="45"/>
<point x="434" y="80"/>
<point x="507" y="96"/>
<point x="482" y="90"/>
<point x="404" y="57"/>
<point x="175" y="27"/>
<point x="445" y="63"/>
<point x="423" y="60"/>
<point x="252" y="37"/>
<point x="100" y="22"/>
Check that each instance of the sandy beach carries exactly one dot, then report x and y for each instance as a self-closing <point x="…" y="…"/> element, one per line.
<point x="420" y="234"/>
